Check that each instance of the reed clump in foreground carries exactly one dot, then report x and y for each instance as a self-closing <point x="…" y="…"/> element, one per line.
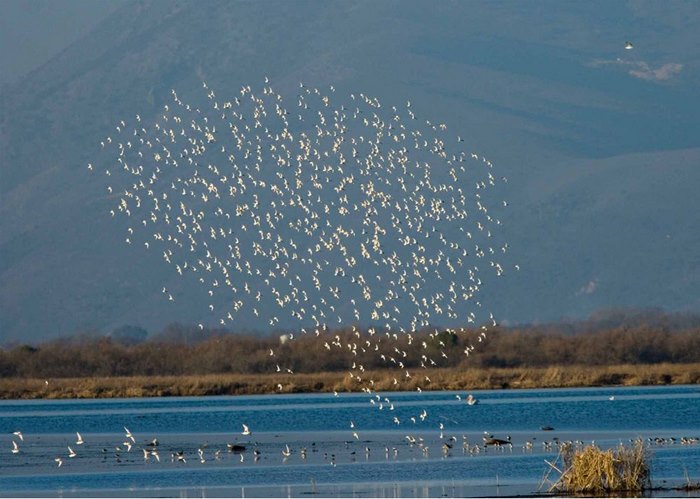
<point x="591" y="470"/>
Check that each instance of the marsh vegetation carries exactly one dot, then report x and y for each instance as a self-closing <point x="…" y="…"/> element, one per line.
<point x="182" y="360"/>
<point x="592" y="470"/>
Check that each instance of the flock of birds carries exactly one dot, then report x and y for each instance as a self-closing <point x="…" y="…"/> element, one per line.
<point x="320" y="215"/>
<point x="410" y="445"/>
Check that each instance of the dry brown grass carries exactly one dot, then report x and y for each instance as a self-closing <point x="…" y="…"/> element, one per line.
<point x="594" y="471"/>
<point x="441" y="379"/>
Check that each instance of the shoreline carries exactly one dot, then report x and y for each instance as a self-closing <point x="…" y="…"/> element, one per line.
<point x="571" y="376"/>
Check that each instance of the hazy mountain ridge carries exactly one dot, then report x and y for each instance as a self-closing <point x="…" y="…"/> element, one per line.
<point x="624" y="231"/>
<point x="63" y="264"/>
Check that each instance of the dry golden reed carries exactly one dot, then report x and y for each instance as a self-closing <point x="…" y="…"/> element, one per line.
<point x="441" y="379"/>
<point x="591" y="470"/>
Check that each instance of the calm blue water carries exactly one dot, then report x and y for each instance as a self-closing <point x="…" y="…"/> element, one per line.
<point x="379" y="461"/>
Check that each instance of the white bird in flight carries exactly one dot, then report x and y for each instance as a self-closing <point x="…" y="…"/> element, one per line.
<point x="129" y="435"/>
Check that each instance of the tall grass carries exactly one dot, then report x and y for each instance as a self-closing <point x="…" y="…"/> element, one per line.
<point x="440" y="379"/>
<point x="591" y="470"/>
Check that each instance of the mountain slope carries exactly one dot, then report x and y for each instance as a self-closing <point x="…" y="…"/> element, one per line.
<point x="523" y="83"/>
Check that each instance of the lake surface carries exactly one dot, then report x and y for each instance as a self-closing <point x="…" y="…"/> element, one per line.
<point x="381" y="460"/>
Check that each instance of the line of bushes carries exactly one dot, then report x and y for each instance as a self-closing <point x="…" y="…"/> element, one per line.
<point x="184" y="350"/>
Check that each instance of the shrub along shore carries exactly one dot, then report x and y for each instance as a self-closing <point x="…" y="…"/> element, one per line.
<point x="460" y="379"/>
